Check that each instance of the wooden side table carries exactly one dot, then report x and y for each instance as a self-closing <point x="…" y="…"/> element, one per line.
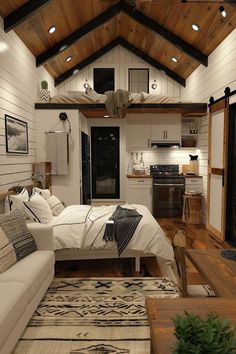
<point x="160" y="312"/>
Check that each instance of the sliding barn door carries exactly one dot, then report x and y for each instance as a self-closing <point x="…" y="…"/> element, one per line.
<point x="217" y="168"/>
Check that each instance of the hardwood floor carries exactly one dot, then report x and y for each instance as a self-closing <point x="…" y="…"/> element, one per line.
<point x="197" y="238"/>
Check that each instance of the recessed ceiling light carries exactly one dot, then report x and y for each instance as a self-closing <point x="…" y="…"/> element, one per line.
<point x="68" y="59"/>
<point x="76" y="71"/>
<point x="222" y="11"/>
<point x="52" y="29"/>
<point x="106" y="116"/>
<point x="63" y="47"/>
<point x="195" y="27"/>
<point x="174" y="59"/>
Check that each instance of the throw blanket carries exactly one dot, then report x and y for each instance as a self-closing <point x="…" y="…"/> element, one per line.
<point x="123" y="228"/>
<point x="117" y="102"/>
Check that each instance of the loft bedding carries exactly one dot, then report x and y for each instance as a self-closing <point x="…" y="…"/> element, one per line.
<point x="83" y="227"/>
<point x="91" y="96"/>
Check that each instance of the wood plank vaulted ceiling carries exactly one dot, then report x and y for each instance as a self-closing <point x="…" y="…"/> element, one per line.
<point x="155" y="30"/>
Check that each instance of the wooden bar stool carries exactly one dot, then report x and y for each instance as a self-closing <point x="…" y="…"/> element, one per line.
<point x="192" y="208"/>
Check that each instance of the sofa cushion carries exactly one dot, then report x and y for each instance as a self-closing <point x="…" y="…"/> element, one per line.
<point x="13" y="300"/>
<point x="14" y="226"/>
<point x="7" y="252"/>
<point x="31" y="271"/>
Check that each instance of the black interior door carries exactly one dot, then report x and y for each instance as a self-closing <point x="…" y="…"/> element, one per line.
<point x="105" y="162"/>
<point x="86" y="180"/>
<point x="231" y="178"/>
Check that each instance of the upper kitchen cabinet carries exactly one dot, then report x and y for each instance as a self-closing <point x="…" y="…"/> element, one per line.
<point x="166" y="127"/>
<point x="190" y="131"/>
<point x="137" y="132"/>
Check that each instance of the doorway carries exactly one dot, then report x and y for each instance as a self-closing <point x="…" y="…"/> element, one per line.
<point x="231" y="178"/>
<point x="105" y="162"/>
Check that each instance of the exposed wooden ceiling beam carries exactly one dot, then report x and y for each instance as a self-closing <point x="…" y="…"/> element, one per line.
<point x="87" y="61"/>
<point x="130" y="47"/>
<point x="152" y="61"/>
<point x="75" y="36"/>
<point x="231" y="2"/>
<point x="165" y="33"/>
<point x="24" y="12"/>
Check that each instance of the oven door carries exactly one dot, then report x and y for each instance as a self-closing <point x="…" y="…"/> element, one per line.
<point x="168" y="198"/>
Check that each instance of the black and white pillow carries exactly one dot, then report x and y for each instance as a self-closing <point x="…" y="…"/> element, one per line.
<point x="55" y="204"/>
<point x="7" y="252"/>
<point x="45" y="193"/>
<point x="13" y="202"/>
<point x="14" y="227"/>
<point x="38" y="209"/>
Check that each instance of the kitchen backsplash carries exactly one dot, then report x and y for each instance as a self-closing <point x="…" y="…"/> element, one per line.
<point x="165" y="156"/>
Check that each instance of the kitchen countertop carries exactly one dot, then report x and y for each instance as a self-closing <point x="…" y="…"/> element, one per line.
<point x="131" y="175"/>
<point x="192" y="176"/>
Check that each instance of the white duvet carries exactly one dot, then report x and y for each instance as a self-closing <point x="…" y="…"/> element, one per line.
<point x="82" y="227"/>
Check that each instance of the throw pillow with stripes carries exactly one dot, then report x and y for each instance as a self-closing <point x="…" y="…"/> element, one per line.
<point x="7" y="252"/>
<point x="14" y="227"/>
<point x="55" y="204"/>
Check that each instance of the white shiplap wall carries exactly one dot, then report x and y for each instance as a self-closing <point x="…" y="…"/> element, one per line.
<point x="211" y="81"/>
<point x="121" y="59"/>
<point x="163" y="156"/>
<point x="19" y="90"/>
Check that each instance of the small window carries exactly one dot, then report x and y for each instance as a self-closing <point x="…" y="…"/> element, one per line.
<point x="103" y="79"/>
<point x="139" y="80"/>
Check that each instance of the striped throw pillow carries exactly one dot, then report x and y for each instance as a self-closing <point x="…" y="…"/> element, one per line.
<point x="7" y="252"/>
<point x="14" y="226"/>
<point x="55" y="204"/>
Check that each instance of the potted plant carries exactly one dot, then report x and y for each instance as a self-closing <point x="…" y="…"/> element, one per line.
<point x="209" y="335"/>
<point x="44" y="93"/>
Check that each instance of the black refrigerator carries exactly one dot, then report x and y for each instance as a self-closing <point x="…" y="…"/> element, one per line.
<point x="86" y="175"/>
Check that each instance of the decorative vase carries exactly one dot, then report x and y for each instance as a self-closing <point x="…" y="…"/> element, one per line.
<point x="45" y="95"/>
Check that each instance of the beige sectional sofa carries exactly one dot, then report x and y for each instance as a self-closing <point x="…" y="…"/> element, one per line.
<point x="22" y="287"/>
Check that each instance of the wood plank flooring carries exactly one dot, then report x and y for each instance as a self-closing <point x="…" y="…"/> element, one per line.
<point x="197" y="238"/>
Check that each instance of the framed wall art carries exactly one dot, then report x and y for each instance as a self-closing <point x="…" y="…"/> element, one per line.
<point x="16" y="131"/>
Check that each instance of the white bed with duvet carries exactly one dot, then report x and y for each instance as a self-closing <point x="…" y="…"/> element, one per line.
<point x="78" y="230"/>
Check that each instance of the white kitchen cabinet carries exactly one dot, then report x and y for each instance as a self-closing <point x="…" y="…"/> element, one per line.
<point x="137" y="133"/>
<point x="139" y="191"/>
<point x="194" y="184"/>
<point x="166" y="127"/>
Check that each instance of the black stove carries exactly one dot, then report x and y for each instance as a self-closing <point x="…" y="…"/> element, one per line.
<point x="168" y="190"/>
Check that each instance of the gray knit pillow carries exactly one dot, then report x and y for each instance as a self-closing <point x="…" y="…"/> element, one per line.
<point x="14" y="226"/>
<point x="7" y="252"/>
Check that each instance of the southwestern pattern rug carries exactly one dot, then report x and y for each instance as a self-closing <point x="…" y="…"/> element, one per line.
<point x="94" y="316"/>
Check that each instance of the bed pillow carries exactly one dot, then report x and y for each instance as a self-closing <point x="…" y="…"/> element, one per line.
<point x="38" y="209"/>
<point x="45" y="193"/>
<point x="7" y="252"/>
<point x="13" y="202"/>
<point x="14" y="227"/>
<point x="55" y="204"/>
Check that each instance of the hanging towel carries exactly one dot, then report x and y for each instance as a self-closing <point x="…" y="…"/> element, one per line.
<point x="57" y="152"/>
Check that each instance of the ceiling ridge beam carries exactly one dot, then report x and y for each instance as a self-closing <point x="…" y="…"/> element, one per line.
<point x="78" y="34"/>
<point x="23" y="13"/>
<point x="156" y="64"/>
<point x="87" y="61"/>
<point x="128" y="46"/>
<point x="165" y="33"/>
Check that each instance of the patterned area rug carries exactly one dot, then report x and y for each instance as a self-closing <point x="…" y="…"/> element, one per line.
<point x="93" y="316"/>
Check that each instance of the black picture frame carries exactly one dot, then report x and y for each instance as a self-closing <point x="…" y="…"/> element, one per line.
<point x="16" y="133"/>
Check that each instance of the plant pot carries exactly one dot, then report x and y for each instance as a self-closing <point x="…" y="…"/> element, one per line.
<point x="45" y="95"/>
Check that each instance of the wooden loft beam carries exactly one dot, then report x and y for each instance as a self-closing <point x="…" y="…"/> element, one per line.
<point x="24" y="12"/>
<point x="87" y="61"/>
<point x="75" y="36"/>
<point x="165" y="33"/>
<point x="152" y="61"/>
<point x="231" y="2"/>
<point x="130" y="47"/>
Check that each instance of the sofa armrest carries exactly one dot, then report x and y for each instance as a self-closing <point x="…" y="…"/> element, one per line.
<point x="43" y="236"/>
